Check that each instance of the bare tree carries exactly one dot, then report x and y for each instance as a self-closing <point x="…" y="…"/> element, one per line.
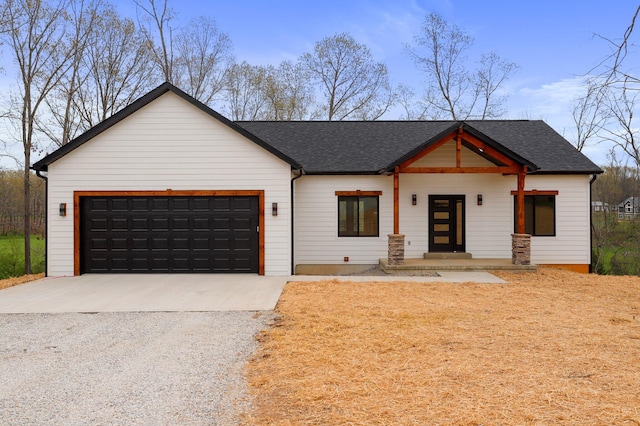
<point x="160" y="16"/>
<point x="620" y="129"/>
<point x="36" y="38"/>
<point x="490" y="76"/>
<point x="352" y="83"/>
<point x="452" y="89"/>
<point x="62" y="123"/>
<point x="244" y="92"/>
<point x="204" y="56"/>
<point x="618" y="89"/>
<point x="613" y="67"/>
<point x="287" y="91"/>
<point x="117" y="64"/>
<point x="588" y="112"/>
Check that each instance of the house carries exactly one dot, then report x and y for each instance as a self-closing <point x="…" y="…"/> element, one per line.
<point x="629" y="208"/>
<point x="169" y="185"/>
<point x="600" y="206"/>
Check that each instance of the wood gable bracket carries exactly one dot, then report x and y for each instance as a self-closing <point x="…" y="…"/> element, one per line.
<point x="504" y="164"/>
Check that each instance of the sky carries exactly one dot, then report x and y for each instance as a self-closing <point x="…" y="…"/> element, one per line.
<point x="553" y="42"/>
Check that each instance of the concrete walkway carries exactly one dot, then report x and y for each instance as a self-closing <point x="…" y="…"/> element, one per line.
<point x="184" y="293"/>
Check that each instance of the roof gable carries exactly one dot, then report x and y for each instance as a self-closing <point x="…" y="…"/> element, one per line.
<point x="471" y="140"/>
<point x="43" y="164"/>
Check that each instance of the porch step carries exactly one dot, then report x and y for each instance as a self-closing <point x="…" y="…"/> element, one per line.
<point x="456" y="255"/>
<point x="454" y="265"/>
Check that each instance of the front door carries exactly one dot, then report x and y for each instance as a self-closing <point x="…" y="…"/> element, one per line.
<point x="446" y="223"/>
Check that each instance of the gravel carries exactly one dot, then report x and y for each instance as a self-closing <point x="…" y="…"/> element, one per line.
<point x="155" y="368"/>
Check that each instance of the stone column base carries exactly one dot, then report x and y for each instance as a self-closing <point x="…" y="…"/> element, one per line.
<point x="521" y="249"/>
<point x="396" y="249"/>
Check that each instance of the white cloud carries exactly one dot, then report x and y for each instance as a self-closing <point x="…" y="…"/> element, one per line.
<point x="552" y="99"/>
<point x="552" y="102"/>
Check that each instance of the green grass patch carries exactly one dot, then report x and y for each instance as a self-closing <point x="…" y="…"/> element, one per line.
<point x="12" y="255"/>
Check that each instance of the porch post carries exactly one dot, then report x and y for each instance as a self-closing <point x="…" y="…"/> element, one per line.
<point x="520" y="242"/>
<point x="520" y="200"/>
<point x="396" y="240"/>
<point x="396" y="200"/>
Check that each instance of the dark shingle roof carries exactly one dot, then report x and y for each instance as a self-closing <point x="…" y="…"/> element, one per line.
<point x="370" y="147"/>
<point x="323" y="147"/>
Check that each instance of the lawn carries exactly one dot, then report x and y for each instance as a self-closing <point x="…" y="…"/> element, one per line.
<point x="550" y="347"/>
<point x="12" y="255"/>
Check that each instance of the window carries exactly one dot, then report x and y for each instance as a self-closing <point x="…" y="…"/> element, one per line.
<point x="357" y="215"/>
<point x="539" y="215"/>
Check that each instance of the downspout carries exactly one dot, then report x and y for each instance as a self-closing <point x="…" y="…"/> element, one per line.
<point x="593" y="179"/>
<point x="46" y="221"/>
<point x="300" y="173"/>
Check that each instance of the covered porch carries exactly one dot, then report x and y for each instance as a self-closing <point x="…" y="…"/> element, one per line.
<point x="459" y="152"/>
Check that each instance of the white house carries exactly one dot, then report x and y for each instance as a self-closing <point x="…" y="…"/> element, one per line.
<point x="629" y="208"/>
<point x="169" y="185"/>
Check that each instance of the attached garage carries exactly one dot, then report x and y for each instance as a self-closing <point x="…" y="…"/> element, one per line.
<point x="159" y="232"/>
<point x="167" y="234"/>
<point x="168" y="186"/>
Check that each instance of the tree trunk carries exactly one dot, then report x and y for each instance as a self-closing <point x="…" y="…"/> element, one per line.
<point x="27" y="212"/>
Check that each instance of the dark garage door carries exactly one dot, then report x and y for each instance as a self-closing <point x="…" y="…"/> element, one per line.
<point x="169" y="234"/>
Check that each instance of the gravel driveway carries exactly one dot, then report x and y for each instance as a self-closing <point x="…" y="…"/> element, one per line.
<point x="156" y="368"/>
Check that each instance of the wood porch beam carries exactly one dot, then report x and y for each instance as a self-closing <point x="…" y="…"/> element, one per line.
<point x="492" y="152"/>
<point x="459" y="147"/>
<point x="497" y="169"/>
<point x="520" y="200"/>
<point x="396" y="200"/>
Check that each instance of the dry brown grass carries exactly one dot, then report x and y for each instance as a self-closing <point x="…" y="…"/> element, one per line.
<point x="10" y="282"/>
<point x="551" y="347"/>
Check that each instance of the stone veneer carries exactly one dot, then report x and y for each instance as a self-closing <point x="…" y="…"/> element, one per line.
<point x="396" y="249"/>
<point x="520" y="249"/>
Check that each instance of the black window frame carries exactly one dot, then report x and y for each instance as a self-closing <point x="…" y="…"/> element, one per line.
<point x="357" y="199"/>
<point x="530" y="219"/>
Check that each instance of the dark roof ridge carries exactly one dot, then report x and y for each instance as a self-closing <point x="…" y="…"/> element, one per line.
<point x="388" y="121"/>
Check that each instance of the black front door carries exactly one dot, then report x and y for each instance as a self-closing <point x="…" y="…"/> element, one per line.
<point x="446" y="223"/>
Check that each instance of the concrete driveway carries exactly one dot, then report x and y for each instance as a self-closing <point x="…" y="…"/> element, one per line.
<point x="144" y="293"/>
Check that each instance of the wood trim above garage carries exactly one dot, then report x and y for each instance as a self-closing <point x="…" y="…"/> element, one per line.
<point x="166" y="193"/>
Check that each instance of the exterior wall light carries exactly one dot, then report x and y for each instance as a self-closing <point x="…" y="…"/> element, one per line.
<point x="274" y="209"/>
<point x="63" y="209"/>
<point x="414" y="199"/>
<point x="479" y="199"/>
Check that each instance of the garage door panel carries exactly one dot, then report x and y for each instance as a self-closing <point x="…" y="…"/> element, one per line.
<point x="140" y="205"/>
<point x="241" y="204"/>
<point x="160" y="204"/>
<point x="160" y="223"/>
<point x="99" y="204"/>
<point x="169" y="234"/>
<point x="119" y="224"/>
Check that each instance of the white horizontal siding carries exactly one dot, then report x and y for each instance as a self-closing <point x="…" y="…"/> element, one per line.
<point x="571" y="245"/>
<point x="170" y="144"/>
<point x="488" y="227"/>
<point x="316" y="220"/>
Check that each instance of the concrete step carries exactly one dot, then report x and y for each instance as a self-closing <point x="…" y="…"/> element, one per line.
<point x="456" y="255"/>
<point x="455" y="265"/>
